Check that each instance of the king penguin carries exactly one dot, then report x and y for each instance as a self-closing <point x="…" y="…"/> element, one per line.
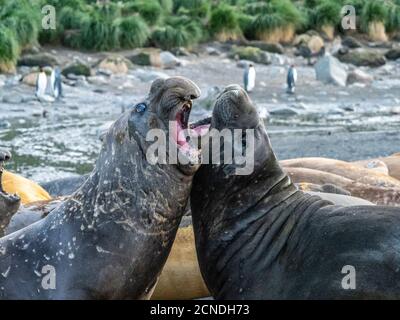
<point x="56" y="83"/>
<point x="249" y="78"/>
<point x="291" y="79"/>
<point x="41" y="87"/>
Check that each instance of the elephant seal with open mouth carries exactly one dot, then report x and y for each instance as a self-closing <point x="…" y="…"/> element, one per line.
<point x="9" y="203"/>
<point x="259" y="237"/>
<point x="111" y="238"/>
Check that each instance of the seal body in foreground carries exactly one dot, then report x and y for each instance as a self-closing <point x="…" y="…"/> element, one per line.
<point x="9" y="203"/>
<point x="258" y="237"/>
<point x="111" y="238"/>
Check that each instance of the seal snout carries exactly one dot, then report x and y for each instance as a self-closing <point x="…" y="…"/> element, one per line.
<point x="234" y="109"/>
<point x="4" y="196"/>
<point x="4" y="156"/>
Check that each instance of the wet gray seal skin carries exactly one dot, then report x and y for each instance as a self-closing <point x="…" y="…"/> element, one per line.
<point x="64" y="186"/>
<point x="258" y="237"/>
<point x="111" y="239"/>
<point x="9" y="204"/>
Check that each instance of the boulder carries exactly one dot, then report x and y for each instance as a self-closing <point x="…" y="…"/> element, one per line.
<point x="312" y="41"/>
<point x="243" y="63"/>
<point x="329" y="70"/>
<point x="149" y="76"/>
<point x="351" y="42"/>
<point x="30" y="79"/>
<point x="359" y="76"/>
<point x="213" y="51"/>
<point x="78" y="68"/>
<point x="13" y="98"/>
<point x="252" y="54"/>
<point x="38" y="60"/>
<point x="146" y="57"/>
<point x="393" y="54"/>
<point x="181" y="52"/>
<point x="98" y="80"/>
<point x="283" y="111"/>
<point x="116" y="64"/>
<point x="363" y="58"/>
<point x="266" y="46"/>
<point x="168" y="60"/>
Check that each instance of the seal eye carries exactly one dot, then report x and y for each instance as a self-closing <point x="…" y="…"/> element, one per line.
<point x="141" y="107"/>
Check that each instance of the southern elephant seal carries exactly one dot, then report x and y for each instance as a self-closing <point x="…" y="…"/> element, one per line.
<point x="64" y="186"/>
<point x="375" y="194"/>
<point x="259" y="237"/>
<point x="111" y="238"/>
<point x="26" y="189"/>
<point x="374" y="164"/>
<point x="9" y="203"/>
<point x="392" y="164"/>
<point x="345" y="169"/>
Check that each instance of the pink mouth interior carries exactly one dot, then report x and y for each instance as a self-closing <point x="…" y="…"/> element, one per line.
<point x="180" y="136"/>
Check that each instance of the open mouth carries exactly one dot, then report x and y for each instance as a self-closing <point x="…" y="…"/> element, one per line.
<point x="11" y="198"/>
<point x="185" y="133"/>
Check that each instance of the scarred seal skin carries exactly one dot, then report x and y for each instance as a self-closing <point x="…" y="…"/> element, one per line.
<point x="258" y="237"/>
<point x="9" y="203"/>
<point x="111" y="238"/>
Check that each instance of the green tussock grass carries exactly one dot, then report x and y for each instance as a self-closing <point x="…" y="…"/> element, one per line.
<point x="133" y="32"/>
<point x="224" y="21"/>
<point x="8" y="48"/>
<point x="179" y="32"/>
<point x="150" y="10"/>
<point x="373" y="11"/>
<point x="275" y="14"/>
<point x="393" y="19"/>
<point x="326" y="13"/>
<point x="167" y="24"/>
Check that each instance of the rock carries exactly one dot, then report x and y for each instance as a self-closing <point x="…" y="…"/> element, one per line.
<point x="279" y="59"/>
<point x="359" y="76"/>
<point x="4" y="124"/>
<point x="115" y="64"/>
<point x="97" y="80"/>
<point x="148" y="76"/>
<point x="313" y="42"/>
<point x="363" y="57"/>
<point x="329" y="70"/>
<point x="351" y="42"/>
<point x="266" y="46"/>
<point x="393" y="54"/>
<point x="31" y="50"/>
<point x="38" y="60"/>
<point x="13" y="98"/>
<point x="168" y="60"/>
<point x="213" y="51"/>
<point x="78" y="68"/>
<point x="252" y="54"/>
<point x="30" y="79"/>
<point x="283" y="111"/>
<point x="243" y="63"/>
<point x="181" y="52"/>
<point x="81" y="82"/>
<point x="146" y="57"/>
<point x="13" y="80"/>
<point x="2" y="80"/>
<point x="103" y="72"/>
<point x="72" y="76"/>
